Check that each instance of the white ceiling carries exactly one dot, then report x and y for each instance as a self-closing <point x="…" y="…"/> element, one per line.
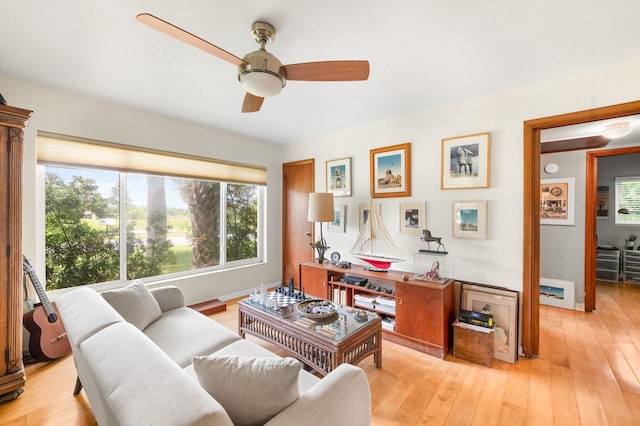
<point x="423" y="53"/>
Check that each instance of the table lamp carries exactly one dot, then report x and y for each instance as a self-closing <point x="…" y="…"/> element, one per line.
<point x="320" y="210"/>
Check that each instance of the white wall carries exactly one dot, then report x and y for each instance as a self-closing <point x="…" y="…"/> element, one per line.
<point x="497" y="260"/>
<point x="72" y="114"/>
<point x="562" y="246"/>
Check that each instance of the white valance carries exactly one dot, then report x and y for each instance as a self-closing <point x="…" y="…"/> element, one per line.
<point x="59" y="150"/>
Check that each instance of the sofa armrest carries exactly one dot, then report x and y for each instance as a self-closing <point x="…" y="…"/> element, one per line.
<point x="341" y="397"/>
<point x="168" y="297"/>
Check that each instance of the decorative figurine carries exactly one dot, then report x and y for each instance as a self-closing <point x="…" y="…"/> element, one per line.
<point x="434" y="273"/>
<point x="428" y="238"/>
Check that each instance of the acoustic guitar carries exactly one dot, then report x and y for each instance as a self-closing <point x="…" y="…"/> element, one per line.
<point x="48" y="339"/>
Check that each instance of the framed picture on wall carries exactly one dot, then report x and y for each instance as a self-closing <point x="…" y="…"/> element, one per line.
<point x="390" y="170"/>
<point x="340" y="219"/>
<point x="412" y="218"/>
<point x="365" y="208"/>
<point x="602" y="202"/>
<point x="339" y="177"/>
<point x="465" y="162"/>
<point x="557" y="203"/>
<point x="470" y="219"/>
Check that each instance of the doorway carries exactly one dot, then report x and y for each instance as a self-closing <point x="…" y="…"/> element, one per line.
<point x="590" y="216"/>
<point x="297" y="232"/>
<point x="531" y="215"/>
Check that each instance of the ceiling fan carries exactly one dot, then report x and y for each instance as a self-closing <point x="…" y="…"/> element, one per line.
<point x="262" y="74"/>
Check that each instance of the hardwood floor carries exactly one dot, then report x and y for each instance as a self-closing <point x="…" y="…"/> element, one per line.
<point x="588" y="373"/>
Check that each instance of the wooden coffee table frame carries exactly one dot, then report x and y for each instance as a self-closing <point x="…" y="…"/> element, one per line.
<point x="320" y="353"/>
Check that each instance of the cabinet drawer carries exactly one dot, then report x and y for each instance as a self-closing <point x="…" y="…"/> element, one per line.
<point x="607" y="265"/>
<point x="607" y="275"/>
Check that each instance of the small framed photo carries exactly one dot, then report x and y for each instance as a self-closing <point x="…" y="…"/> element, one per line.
<point x="390" y="169"/>
<point x="339" y="177"/>
<point x="339" y="219"/>
<point x="559" y="293"/>
<point x="365" y="208"/>
<point x="557" y="203"/>
<point x="602" y="202"/>
<point x="412" y="218"/>
<point x="470" y="219"/>
<point x="465" y="162"/>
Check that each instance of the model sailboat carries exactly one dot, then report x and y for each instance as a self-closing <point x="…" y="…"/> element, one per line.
<point x="374" y="245"/>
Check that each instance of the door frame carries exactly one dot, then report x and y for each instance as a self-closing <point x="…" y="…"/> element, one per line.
<point x="531" y="216"/>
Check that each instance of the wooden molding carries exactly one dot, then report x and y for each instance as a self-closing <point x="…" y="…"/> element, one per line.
<point x="589" y="142"/>
<point x="531" y="218"/>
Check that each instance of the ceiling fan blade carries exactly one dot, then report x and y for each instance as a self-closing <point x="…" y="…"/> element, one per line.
<point x="328" y="71"/>
<point x="185" y="36"/>
<point x="252" y="103"/>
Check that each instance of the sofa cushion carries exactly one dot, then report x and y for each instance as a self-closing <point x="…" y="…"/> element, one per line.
<point x="251" y="390"/>
<point x="182" y="333"/>
<point x="247" y="348"/>
<point x="135" y="303"/>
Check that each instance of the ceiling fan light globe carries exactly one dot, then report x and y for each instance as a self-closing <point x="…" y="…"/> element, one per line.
<point x="617" y="130"/>
<point x="262" y="83"/>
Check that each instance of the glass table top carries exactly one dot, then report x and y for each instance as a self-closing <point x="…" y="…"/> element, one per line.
<point x="338" y="326"/>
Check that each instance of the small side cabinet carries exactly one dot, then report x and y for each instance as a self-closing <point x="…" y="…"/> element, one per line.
<point x="631" y="266"/>
<point x="607" y="264"/>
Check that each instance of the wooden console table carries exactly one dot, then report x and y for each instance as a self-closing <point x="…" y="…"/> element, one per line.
<point x="424" y="310"/>
<point x="322" y="345"/>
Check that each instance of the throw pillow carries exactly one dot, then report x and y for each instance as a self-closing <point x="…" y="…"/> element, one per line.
<point x="251" y="390"/>
<point x="135" y="303"/>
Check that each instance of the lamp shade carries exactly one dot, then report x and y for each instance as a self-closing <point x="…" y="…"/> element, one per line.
<point x="320" y="207"/>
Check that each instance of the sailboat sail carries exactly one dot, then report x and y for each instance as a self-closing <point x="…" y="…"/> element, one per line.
<point x="374" y="245"/>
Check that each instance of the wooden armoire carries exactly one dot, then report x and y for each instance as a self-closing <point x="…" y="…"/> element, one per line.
<point x="12" y="378"/>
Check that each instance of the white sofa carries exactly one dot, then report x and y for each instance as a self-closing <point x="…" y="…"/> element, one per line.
<point x="139" y="371"/>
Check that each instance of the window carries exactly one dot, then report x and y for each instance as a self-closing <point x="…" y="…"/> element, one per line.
<point x="114" y="225"/>
<point x="628" y="200"/>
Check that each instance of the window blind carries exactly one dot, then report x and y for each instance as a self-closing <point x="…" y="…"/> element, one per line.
<point x="628" y="197"/>
<point x="60" y="150"/>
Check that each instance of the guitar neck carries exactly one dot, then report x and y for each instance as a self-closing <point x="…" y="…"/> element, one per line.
<point x="42" y="294"/>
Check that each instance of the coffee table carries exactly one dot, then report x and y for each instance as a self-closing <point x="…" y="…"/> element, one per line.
<point x="321" y="344"/>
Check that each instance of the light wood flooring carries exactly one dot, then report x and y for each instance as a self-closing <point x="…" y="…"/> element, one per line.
<point x="588" y="372"/>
